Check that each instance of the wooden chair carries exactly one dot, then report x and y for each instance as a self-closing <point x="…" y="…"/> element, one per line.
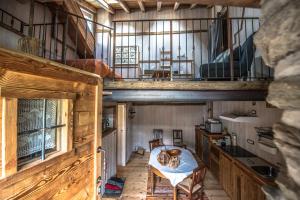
<point x="178" y="139"/>
<point x="194" y="185"/>
<point x="153" y="144"/>
<point x="158" y="134"/>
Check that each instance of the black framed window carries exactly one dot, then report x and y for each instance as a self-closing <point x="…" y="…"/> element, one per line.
<point x="39" y="124"/>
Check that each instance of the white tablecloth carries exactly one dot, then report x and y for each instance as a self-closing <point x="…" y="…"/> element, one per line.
<point x="185" y="168"/>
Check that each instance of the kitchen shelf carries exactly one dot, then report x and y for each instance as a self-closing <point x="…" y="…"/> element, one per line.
<point x="236" y="118"/>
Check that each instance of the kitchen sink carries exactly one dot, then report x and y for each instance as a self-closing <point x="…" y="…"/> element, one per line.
<point x="266" y="171"/>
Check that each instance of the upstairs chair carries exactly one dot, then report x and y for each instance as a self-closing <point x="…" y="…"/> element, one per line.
<point x="178" y="139"/>
<point x="153" y="144"/>
<point x="158" y="134"/>
<point x="194" y="185"/>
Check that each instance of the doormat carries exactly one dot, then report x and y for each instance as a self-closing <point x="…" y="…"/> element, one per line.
<point x="114" y="187"/>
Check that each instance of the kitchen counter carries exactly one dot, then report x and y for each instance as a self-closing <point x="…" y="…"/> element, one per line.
<point x="246" y="160"/>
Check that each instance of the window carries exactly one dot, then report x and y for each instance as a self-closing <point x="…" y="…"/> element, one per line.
<point x="90" y="16"/>
<point x="40" y="124"/>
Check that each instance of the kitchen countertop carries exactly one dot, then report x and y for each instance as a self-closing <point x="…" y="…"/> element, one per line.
<point x="245" y="160"/>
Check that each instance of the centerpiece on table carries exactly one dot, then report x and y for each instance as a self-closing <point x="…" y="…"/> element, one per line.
<point x="169" y="158"/>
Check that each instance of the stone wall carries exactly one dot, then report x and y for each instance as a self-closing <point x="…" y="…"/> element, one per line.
<point x="279" y="41"/>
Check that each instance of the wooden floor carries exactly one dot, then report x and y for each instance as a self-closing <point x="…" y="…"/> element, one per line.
<point x="136" y="173"/>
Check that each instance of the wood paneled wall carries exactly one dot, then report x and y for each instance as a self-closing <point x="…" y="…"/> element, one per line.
<point x="69" y="175"/>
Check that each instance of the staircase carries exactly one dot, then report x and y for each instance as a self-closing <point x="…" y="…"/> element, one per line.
<point x="77" y="26"/>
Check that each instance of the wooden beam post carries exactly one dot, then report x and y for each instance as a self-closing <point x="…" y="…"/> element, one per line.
<point x="159" y="3"/>
<point x="176" y="6"/>
<point x="141" y="4"/>
<point x="124" y="6"/>
<point x="9" y="136"/>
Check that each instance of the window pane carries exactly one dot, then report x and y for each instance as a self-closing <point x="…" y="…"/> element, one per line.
<point x="30" y="125"/>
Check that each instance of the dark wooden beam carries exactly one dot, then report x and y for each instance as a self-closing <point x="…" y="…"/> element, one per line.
<point x="185" y="96"/>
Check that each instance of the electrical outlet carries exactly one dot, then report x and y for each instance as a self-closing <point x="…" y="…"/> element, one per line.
<point x="250" y="141"/>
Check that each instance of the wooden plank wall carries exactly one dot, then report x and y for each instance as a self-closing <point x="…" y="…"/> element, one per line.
<point x="71" y="174"/>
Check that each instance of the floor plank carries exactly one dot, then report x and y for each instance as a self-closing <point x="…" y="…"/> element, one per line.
<point x="136" y="174"/>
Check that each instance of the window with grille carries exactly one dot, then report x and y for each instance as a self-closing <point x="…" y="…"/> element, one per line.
<point x="39" y="125"/>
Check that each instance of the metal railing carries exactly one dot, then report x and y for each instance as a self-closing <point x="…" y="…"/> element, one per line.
<point x="188" y="49"/>
<point x="63" y="35"/>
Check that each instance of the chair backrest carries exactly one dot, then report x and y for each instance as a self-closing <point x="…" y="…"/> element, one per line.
<point x="177" y="136"/>
<point x="158" y="134"/>
<point x="198" y="177"/>
<point x="153" y="144"/>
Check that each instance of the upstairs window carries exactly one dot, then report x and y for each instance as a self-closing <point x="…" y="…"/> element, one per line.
<point x="89" y="16"/>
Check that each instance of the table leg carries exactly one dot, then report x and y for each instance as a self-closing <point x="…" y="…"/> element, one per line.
<point x="152" y="182"/>
<point x="175" y="193"/>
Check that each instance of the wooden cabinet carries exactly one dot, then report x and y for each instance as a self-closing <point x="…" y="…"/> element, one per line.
<point x="225" y="175"/>
<point x="198" y="143"/>
<point x="203" y="144"/>
<point x="245" y="187"/>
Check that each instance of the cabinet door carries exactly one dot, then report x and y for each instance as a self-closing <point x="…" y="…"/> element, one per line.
<point x="236" y="183"/>
<point x="226" y="174"/>
<point x="250" y="189"/>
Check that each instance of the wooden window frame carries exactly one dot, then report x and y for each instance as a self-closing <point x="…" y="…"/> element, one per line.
<point x="8" y="136"/>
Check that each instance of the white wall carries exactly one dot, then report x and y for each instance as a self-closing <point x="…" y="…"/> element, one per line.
<point x="166" y="117"/>
<point x="244" y="131"/>
<point x="9" y="39"/>
<point x="149" y="47"/>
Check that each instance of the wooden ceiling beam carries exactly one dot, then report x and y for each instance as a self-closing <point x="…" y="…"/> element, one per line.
<point x="193" y="5"/>
<point x="176" y="6"/>
<point x="241" y="3"/>
<point x="100" y="4"/>
<point x="124" y="5"/>
<point x="141" y="4"/>
<point x="159" y="3"/>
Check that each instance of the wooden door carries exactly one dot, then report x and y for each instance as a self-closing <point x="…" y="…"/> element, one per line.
<point x="121" y="136"/>
<point x="237" y="182"/>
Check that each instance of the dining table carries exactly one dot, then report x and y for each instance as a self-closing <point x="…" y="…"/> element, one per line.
<point x="175" y="175"/>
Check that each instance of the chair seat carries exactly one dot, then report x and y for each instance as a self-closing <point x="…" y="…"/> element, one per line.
<point x="185" y="185"/>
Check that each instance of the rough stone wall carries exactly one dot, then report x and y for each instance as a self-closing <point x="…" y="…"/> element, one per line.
<point x="279" y="41"/>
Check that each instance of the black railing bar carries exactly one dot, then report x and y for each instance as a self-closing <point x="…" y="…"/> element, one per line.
<point x="179" y="47"/>
<point x="40" y="129"/>
<point x="208" y="52"/>
<point x="186" y="41"/>
<point x="47" y="24"/>
<point x="193" y="55"/>
<point x="201" y="70"/>
<point x="239" y="42"/>
<point x="149" y="47"/>
<point x="156" y="44"/>
<point x="128" y="25"/>
<point x="114" y="51"/>
<point x="253" y="49"/>
<point x="177" y="19"/>
<point x="102" y="47"/>
<point x="9" y="14"/>
<point x="163" y="48"/>
<point x="122" y="50"/>
<point x="77" y="16"/>
<point x="135" y="49"/>
<point x="142" y="48"/>
<point x="85" y="37"/>
<point x="76" y="36"/>
<point x="247" y="51"/>
<point x="55" y="33"/>
<point x="64" y="45"/>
